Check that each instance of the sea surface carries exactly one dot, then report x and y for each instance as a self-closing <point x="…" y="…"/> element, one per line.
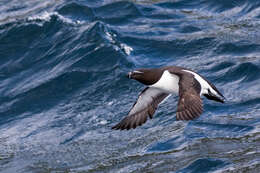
<point x="63" y="85"/>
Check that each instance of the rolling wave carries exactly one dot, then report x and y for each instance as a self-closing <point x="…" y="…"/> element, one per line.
<point x="63" y="85"/>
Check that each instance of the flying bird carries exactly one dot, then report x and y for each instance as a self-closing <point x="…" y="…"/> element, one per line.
<point x="160" y="84"/>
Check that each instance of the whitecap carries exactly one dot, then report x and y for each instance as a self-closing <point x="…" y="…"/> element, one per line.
<point x="110" y="103"/>
<point x="109" y="37"/>
<point x="103" y="122"/>
<point x="127" y="49"/>
<point x="46" y="17"/>
<point x="121" y="46"/>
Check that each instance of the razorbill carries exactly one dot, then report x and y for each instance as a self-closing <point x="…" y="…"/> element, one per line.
<point x="161" y="83"/>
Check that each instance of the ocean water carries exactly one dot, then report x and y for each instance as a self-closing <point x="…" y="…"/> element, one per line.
<point x="63" y="85"/>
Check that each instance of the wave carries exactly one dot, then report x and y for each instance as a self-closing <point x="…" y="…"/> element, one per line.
<point x="63" y="85"/>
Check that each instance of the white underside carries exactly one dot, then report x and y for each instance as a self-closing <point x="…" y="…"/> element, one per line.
<point x="145" y="99"/>
<point x="168" y="83"/>
<point x="204" y="84"/>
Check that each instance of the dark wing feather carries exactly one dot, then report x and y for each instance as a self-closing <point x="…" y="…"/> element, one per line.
<point x="190" y="104"/>
<point x="145" y="106"/>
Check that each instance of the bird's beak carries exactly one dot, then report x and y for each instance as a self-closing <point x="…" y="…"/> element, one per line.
<point x="129" y="75"/>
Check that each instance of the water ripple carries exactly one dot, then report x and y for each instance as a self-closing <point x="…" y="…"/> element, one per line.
<point x="63" y="85"/>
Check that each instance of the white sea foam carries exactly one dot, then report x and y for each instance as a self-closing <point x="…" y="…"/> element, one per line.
<point x="110" y="103"/>
<point x="127" y="49"/>
<point x="109" y="37"/>
<point x="46" y="16"/>
<point x="121" y="46"/>
<point x="103" y="122"/>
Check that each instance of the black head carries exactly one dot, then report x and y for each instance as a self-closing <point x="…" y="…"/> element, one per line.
<point x="146" y="76"/>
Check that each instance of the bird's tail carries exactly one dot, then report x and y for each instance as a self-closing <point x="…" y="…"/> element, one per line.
<point x="217" y="97"/>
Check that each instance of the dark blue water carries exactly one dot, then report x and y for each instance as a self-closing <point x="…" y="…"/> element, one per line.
<point x="63" y="85"/>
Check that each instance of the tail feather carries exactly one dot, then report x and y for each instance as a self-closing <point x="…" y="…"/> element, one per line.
<point x="214" y="97"/>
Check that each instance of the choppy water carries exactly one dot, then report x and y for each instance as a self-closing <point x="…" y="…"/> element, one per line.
<point x="63" y="85"/>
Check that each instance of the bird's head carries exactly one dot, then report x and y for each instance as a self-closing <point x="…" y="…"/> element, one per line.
<point x="145" y="76"/>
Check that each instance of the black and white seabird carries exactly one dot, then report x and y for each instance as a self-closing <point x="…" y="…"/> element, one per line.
<point x="161" y="83"/>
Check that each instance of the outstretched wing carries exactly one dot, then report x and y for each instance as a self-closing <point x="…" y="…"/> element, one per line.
<point x="190" y="104"/>
<point x="145" y="106"/>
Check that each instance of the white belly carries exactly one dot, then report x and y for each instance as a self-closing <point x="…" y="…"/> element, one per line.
<point x="168" y="83"/>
